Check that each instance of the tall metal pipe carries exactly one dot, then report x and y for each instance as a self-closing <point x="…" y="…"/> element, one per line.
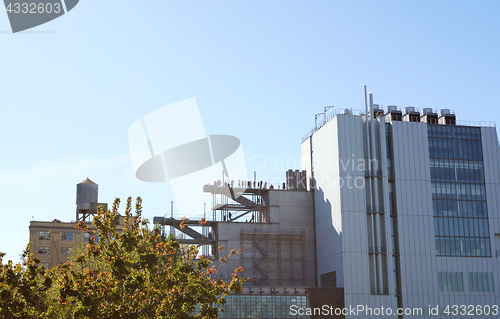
<point x="172" y="229"/>
<point x="377" y="225"/>
<point x="368" y="156"/>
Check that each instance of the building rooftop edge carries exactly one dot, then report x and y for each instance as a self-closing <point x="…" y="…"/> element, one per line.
<point x="361" y="114"/>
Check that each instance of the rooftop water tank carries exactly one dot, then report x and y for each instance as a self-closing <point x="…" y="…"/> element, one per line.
<point x="86" y="192"/>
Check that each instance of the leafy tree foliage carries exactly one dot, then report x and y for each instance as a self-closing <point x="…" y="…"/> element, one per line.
<point x="23" y="287"/>
<point x="136" y="273"/>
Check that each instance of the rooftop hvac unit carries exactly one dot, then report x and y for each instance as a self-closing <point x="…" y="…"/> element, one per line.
<point x="409" y="109"/>
<point x="444" y="112"/>
<point x="346" y="111"/>
<point x="426" y="110"/>
<point x="391" y="108"/>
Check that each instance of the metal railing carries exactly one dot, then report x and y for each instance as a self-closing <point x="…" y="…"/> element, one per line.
<point x="476" y="123"/>
<point x="340" y="111"/>
<point x="328" y="117"/>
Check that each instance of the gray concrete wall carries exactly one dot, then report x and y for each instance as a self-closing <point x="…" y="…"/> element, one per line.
<point x="415" y="215"/>
<point x="292" y="212"/>
<point x="341" y="206"/>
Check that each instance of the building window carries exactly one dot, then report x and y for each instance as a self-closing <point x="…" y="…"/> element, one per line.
<point x="87" y="237"/>
<point x="44" y="250"/>
<point x="44" y="235"/>
<point x="481" y="282"/>
<point x="46" y="265"/>
<point x="263" y="306"/>
<point x="458" y="191"/>
<point x="450" y="281"/>
<point x="65" y="236"/>
<point x="65" y="251"/>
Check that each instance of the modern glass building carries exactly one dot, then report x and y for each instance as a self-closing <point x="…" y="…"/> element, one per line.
<point x="406" y="209"/>
<point x="458" y="191"/>
<point x="264" y="306"/>
<point x="394" y="215"/>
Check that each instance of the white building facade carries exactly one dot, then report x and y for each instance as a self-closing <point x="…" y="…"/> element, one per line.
<point x="407" y="212"/>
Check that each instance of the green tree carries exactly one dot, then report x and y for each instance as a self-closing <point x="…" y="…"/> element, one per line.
<point x="138" y="273"/>
<point x="23" y="287"/>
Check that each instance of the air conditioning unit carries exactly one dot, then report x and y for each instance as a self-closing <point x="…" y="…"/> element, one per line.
<point x="426" y="110"/>
<point x="444" y="112"/>
<point x="391" y="108"/>
<point x="409" y="109"/>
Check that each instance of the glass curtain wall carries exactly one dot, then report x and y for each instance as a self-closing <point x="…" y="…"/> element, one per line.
<point x="458" y="191"/>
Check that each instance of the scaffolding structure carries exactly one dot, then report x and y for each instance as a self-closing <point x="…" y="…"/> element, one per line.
<point x="229" y="205"/>
<point x="271" y="256"/>
<point x="207" y="239"/>
<point x="274" y="258"/>
<point x="239" y="204"/>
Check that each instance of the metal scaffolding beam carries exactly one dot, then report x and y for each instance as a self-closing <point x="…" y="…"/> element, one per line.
<point x="274" y="259"/>
<point x="239" y="201"/>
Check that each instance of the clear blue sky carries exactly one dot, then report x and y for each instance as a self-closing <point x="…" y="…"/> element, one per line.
<point x="260" y="70"/>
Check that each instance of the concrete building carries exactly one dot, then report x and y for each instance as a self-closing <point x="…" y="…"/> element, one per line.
<point x="52" y="241"/>
<point x="395" y="214"/>
<point x="406" y="211"/>
<point x="273" y="226"/>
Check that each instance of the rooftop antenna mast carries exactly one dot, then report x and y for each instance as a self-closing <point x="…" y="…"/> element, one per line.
<point x="172" y="230"/>
<point x="204" y="229"/>
<point x="316" y="120"/>
<point x="327" y="108"/>
<point x="366" y="102"/>
<point x="324" y="116"/>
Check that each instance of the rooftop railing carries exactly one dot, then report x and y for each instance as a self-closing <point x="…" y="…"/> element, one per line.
<point x="477" y="123"/>
<point x="328" y="117"/>
<point x="357" y="112"/>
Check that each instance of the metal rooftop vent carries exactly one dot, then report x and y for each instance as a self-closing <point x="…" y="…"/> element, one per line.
<point x="444" y="112"/>
<point x="409" y="109"/>
<point x="346" y="111"/>
<point x="426" y="110"/>
<point x="391" y="108"/>
<point x="411" y="114"/>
